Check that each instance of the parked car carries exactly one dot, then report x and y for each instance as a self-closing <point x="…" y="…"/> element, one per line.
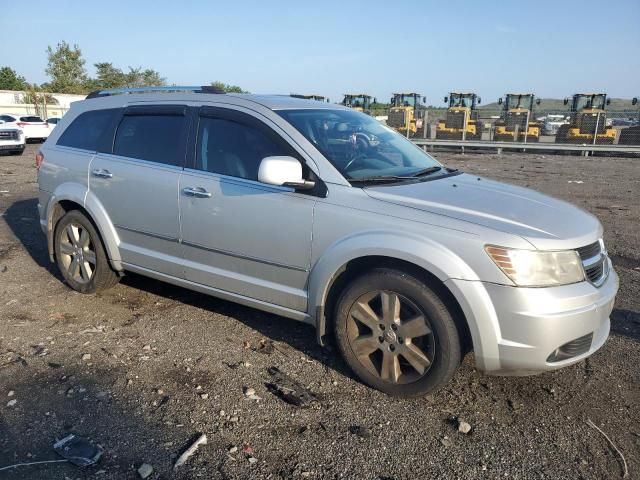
<point x="552" y="123"/>
<point x="53" y="121"/>
<point x="35" y="129"/>
<point x="286" y="205"/>
<point x="12" y="139"/>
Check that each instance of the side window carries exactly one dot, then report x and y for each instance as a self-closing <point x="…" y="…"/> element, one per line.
<point x="155" y="137"/>
<point x="87" y="129"/>
<point x="7" y="118"/>
<point x="235" y="148"/>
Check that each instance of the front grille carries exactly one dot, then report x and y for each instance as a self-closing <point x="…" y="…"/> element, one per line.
<point x="455" y="119"/>
<point x="396" y="118"/>
<point x="519" y="119"/>
<point x="571" y="349"/>
<point x="589" y="251"/>
<point x="587" y="123"/>
<point x="9" y="135"/>
<point x="594" y="261"/>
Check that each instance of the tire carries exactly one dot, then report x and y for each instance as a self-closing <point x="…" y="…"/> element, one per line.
<point x="77" y="240"/>
<point x="368" y="349"/>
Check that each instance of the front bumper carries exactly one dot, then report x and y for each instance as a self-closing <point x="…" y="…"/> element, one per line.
<point x="520" y="331"/>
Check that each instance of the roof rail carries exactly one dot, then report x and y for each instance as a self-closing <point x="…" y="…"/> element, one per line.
<point x="174" y="88"/>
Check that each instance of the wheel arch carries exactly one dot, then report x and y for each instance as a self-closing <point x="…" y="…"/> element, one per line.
<point x="75" y="197"/>
<point x="341" y="263"/>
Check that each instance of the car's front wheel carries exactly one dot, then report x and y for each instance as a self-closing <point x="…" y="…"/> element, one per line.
<point x="396" y="333"/>
<point x="80" y="254"/>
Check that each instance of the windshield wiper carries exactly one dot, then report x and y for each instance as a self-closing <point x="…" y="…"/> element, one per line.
<point x="379" y="179"/>
<point x="427" y="171"/>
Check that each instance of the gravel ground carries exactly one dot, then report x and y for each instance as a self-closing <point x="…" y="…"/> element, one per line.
<point x="143" y="368"/>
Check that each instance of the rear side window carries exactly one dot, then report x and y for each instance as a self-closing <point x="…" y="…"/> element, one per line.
<point x="157" y="138"/>
<point x="87" y="130"/>
<point x="7" y="118"/>
<point x="31" y="119"/>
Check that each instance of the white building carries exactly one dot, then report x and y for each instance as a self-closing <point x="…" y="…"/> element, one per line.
<point x="48" y="105"/>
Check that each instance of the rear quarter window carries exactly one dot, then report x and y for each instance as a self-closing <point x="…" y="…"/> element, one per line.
<point x="87" y="131"/>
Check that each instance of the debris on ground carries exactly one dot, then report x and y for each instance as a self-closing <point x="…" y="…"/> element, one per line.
<point x="463" y="427"/>
<point x="233" y="449"/>
<point x="289" y="389"/>
<point x="11" y="403"/>
<point x="265" y="346"/>
<point x="360" y="431"/>
<point x="201" y="440"/>
<point x="145" y="470"/>
<point x="79" y="451"/>
<point x="86" y="357"/>
<point x="248" y="391"/>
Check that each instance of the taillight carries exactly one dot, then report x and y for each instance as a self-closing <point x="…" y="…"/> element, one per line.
<point x="39" y="160"/>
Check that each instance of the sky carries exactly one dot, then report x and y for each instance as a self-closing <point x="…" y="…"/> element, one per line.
<point x="552" y="48"/>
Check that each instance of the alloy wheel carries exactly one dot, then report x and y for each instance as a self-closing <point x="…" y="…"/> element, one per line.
<point x="77" y="253"/>
<point x="391" y="336"/>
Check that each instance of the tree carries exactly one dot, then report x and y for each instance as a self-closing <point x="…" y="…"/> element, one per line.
<point x="108" y="76"/>
<point x="66" y="69"/>
<point x="10" y="80"/>
<point x="227" y="87"/>
<point x="136" y="77"/>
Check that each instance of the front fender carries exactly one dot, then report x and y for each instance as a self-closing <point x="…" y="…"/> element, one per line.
<point x="79" y="194"/>
<point x="420" y="251"/>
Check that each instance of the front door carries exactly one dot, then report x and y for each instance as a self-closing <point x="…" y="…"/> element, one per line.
<point x="240" y="235"/>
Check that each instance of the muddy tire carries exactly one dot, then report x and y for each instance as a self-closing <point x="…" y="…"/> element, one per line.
<point x="80" y="254"/>
<point x="396" y="334"/>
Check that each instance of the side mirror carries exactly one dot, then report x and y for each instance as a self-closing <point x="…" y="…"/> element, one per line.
<point x="566" y="101"/>
<point x="634" y="101"/>
<point x="424" y="99"/>
<point x="391" y="101"/>
<point x="446" y="99"/>
<point x="479" y="100"/>
<point x="500" y="101"/>
<point x="608" y="101"/>
<point x="328" y="100"/>
<point x="375" y="100"/>
<point x="537" y="101"/>
<point x="284" y="172"/>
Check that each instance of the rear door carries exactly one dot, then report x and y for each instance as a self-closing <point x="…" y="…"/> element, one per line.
<point x="240" y="235"/>
<point x="137" y="183"/>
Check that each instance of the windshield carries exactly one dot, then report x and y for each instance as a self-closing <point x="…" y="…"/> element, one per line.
<point x="461" y="100"/>
<point x="519" y="101"/>
<point x="356" y="101"/>
<point x="589" y="101"/>
<point x="405" y="100"/>
<point x="358" y="145"/>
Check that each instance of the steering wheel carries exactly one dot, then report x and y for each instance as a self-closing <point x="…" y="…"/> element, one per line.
<point x="355" y="159"/>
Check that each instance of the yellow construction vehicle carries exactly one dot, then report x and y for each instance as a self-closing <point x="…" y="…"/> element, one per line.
<point x="631" y="135"/>
<point x="517" y="123"/>
<point x="407" y="113"/>
<point x="588" y="123"/>
<point x="461" y="122"/>
<point x="312" y="96"/>
<point x="360" y="102"/>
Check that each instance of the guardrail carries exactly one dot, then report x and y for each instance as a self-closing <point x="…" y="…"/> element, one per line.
<point x="585" y="149"/>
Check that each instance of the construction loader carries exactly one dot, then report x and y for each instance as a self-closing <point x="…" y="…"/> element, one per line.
<point x="407" y="114"/>
<point x="588" y="121"/>
<point x="631" y="135"/>
<point x="462" y="121"/>
<point x="360" y="102"/>
<point x="517" y="123"/>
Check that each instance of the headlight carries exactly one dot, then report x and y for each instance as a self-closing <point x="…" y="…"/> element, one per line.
<point x="534" y="268"/>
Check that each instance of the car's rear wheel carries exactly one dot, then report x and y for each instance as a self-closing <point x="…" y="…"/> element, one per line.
<point x="80" y="254"/>
<point x="396" y="333"/>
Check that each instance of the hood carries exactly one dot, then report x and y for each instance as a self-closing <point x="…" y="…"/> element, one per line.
<point x="544" y="221"/>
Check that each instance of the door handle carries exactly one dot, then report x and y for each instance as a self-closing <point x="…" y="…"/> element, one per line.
<point x="102" y="173"/>
<point x="196" y="192"/>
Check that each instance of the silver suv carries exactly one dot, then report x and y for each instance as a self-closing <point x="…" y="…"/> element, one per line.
<point x="323" y="215"/>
